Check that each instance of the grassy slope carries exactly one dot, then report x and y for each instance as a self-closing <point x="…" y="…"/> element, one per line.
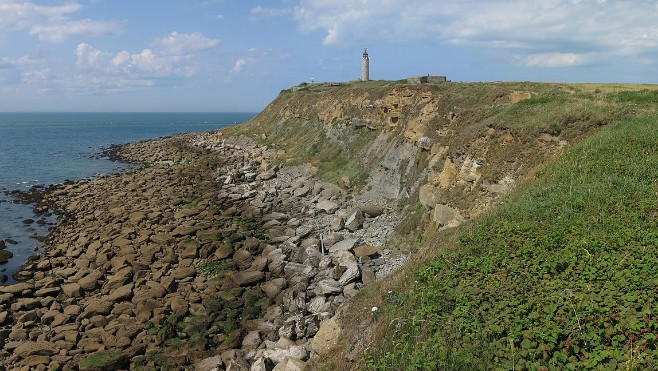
<point x="562" y="275"/>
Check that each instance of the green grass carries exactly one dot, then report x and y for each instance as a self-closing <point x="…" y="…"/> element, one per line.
<point x="562" y="275"/>
<point x="645" y="96"/>
<point x="103" y="360"/>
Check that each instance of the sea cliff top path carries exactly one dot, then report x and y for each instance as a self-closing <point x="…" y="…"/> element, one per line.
<point x="209" y="251"/>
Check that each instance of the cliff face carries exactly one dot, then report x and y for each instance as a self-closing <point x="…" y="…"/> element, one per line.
<point x="455" y="148"/>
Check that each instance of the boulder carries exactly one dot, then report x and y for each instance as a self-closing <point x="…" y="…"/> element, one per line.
<point x="278" y="355"/>
<point x="337" y="223"/>
<point x="209" y="364"/>
<point x="90" y="281"/>
<point x="16" y="289"/>
<point x="72" y="290"/>
<point x="252" y="340"/>
<point x="182" y="273"/>
<point x="120" y="278"/>
<point x="248" y="278"/>
<point x="316" y="305"/>
<point x="35" y="348"/>
<point x="327" y="206"/>
<point x="243" y="258"/>
<point x="178" y="306"/>
<point x="121" y="294"/>
<point x="96" y="306"/>
<point x="329" y="286"/>
<point x="372" y="211"/>
<point x="446" y="217"/>
<point x="352" y="271"/>
<point x="291" y="364"/>
<point x="25" y="304"/>
<point x="429" y="195"/>
<point x="354" y="221"/>
<point x="327" y="336"/>
<point x="366" y="250"/>
<point x="344" y="245"/>
<point x="273" y="288"/>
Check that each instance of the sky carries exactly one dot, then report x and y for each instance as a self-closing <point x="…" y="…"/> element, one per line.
<point x="237" y="55"/>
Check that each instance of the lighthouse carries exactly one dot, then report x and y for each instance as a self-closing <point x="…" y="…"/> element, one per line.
<point x="365" y="66"/>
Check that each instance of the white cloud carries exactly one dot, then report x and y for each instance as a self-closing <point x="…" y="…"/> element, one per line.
<point x="51" y="23"/>
<point x="145" y="64"/>
<point x="168" y="61"/>
<point x="25" y="60"/>
<point x="237" y="66"/>
<point x="36" y="76"/>
<point x="258" y="58"/>
<point x="183" y="44"/>
<point x="260" y="11"/>
<point x="546" y="33"/>
<point x="62" y="31"/>
<point x="555" y="60"/>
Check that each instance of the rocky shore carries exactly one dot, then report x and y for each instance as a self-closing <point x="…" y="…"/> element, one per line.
<point x="209" y="255"/>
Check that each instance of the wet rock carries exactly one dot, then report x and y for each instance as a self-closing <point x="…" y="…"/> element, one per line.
<point x="5" y="256"/>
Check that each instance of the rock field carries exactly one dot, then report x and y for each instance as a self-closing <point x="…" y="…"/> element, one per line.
<point x="208" y="255"/>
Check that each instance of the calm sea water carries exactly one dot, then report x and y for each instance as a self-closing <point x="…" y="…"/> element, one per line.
<point x="49" y="148"/>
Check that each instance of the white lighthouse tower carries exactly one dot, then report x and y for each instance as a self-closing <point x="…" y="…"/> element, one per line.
<point x="365" y="66"/>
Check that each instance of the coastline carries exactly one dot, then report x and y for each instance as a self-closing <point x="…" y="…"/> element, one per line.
<point x="209" y="249"/>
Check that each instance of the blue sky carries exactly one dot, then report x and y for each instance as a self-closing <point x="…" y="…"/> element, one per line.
<point x="236" y="55"/>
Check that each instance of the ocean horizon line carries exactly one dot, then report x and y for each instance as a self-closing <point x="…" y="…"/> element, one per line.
<point x="124" y="112"/>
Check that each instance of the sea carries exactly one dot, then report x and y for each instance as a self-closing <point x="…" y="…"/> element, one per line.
<point x="39" y="149"/>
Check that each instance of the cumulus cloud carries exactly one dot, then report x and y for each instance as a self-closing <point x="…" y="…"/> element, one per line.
<point x="51" y="23"/>
<point x="545" y="33"/>
<point x="146" y="63"/>
<point x="184" y="44"/>
<point x="170" y="59"/>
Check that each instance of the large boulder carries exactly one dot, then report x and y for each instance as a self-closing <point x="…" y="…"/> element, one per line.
<point x="354" y="221"/>
<point x="327" y="206"/>
<point x="329" y="286"/>
<point x="327" y="336"/>
<point x="446" y="217"/>
<point x="344" y="245"/>
<point x="35" y="348"/>
<point x="248" y="278"/>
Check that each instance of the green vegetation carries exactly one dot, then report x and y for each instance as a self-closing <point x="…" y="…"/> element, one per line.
<point x="104" y="361"/>
<point x="213" y="268"/>
<point x="562" y="275"/>
<point x="645" y="96"/>
<point x="217" y="324"/>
